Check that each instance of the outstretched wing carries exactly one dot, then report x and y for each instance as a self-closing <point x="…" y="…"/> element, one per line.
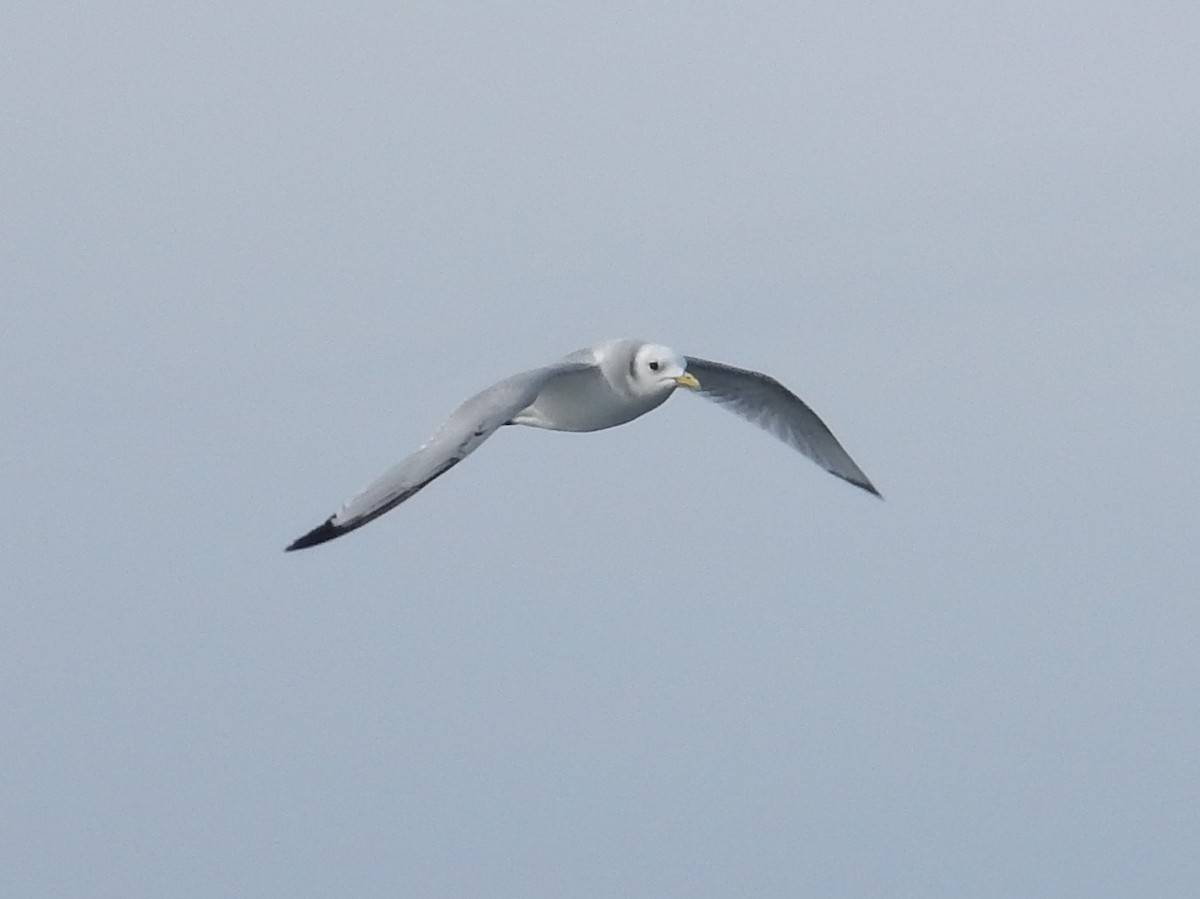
<point x="761" y="399"/>
<point x="472" y="423"/>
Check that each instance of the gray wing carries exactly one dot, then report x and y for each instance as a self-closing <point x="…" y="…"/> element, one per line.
<point x="471" y="423"/>
<point x="761" y="399"/>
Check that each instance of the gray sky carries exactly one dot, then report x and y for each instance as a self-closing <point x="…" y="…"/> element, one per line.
<point x="252" y="254"/>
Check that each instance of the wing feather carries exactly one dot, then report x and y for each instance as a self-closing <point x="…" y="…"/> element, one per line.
<point x="763" y="401"/>
<point x="470" y="425"/>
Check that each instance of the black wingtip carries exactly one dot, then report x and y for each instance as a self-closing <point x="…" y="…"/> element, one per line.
<point x="864" y="484"/>
<point x="320" y="534"/>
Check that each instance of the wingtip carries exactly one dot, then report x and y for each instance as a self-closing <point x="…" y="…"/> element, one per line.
<point x="862" y="483"/>
<point x="320" y="534"/>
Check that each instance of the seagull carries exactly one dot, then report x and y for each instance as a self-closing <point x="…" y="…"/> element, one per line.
<point x="598" y="387"/>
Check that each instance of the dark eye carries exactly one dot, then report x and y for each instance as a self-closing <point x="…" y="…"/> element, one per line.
<point x="653" y="366"/>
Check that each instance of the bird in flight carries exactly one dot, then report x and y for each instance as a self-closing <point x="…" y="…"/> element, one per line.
<point x="599" y="387"/>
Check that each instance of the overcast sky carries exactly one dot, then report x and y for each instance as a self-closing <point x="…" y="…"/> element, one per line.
<point x="254" y="252"/>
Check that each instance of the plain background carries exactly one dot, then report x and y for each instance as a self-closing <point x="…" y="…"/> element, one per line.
<point x="252" y="254"/>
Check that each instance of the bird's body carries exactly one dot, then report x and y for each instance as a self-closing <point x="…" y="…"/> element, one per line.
<point x="602" y="395"/>
<point x="599" y="387"/>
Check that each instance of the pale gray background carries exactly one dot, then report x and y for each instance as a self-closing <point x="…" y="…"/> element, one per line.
<point x="253" y="252"/>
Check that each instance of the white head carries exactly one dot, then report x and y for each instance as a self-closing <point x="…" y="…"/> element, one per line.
<point x="655" y="368"/>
